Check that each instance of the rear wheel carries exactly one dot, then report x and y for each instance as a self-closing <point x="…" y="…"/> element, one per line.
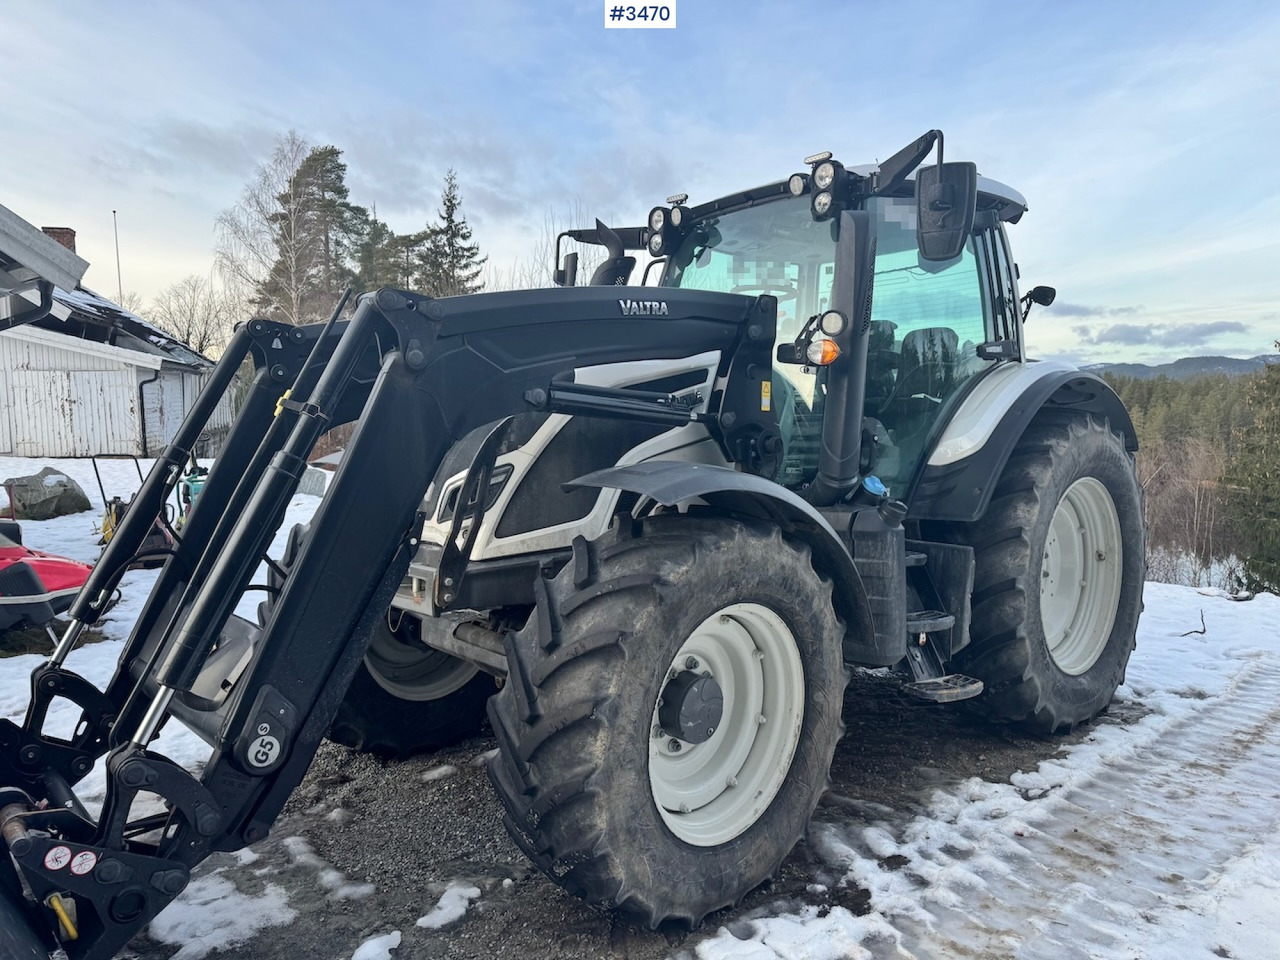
<point x="406" y="697"/>
<point x="1060" y="563"/>
<point x="670" y="716"/>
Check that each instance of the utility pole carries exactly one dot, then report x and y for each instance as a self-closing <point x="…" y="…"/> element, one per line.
<point x="115" y="225"/>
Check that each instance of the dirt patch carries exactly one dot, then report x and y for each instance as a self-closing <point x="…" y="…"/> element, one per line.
<point x="412" y="829"/>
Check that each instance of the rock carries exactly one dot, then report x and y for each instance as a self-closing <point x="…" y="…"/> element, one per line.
<point x="47" y="494"/>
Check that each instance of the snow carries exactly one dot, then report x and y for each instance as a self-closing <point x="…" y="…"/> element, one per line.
<point x="378" y="948"/>
<point x="451" y="907"/>
<point x="1158" y="836"/>
<point x="334" y="883"/>
<point x="439" y="773"/>
<point x="211" y="914"/>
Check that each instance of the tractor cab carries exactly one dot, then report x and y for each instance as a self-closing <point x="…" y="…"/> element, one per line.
<point x="932" y="330"/>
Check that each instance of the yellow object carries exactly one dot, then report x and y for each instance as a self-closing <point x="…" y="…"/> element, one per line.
<point x="69" y="931"/>
<point x="283" y="397"/>
<point x="766" y="395"/>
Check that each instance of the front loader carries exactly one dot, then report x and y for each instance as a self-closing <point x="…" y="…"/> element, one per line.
<point x="660" y="524"/>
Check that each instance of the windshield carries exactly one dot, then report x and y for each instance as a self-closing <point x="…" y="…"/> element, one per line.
<point x="773" y="248"/>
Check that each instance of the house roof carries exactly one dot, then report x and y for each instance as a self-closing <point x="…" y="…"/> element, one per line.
<point x="86" y="315"/>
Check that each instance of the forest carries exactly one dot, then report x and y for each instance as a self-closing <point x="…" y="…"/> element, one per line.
<point x="1209" y="465"/>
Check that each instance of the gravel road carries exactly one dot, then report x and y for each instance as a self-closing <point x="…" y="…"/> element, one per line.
<point x="412" y="829"/>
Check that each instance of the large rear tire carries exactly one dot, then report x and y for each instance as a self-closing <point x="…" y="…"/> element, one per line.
<point x="721" y="625"/>
<point x="1060" y="563"/>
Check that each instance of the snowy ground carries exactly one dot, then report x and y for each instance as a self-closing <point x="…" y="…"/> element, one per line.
<point x="1153" y="834"/>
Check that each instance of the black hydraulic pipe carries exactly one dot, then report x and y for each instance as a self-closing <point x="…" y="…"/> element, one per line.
<point x="149" y="501"/>
<point x="255" y="527"/>
<point x="839" y="459"/>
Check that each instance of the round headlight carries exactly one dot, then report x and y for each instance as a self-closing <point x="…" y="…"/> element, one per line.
<point x="677" y="216"/>
<point x="657" y="218"/>
<point x="832" y="323"/>
<point x="796" y="184"/>
<point x="655" y="243"/>
<point x="822" y="203"/>
<point x="824" y="175"/>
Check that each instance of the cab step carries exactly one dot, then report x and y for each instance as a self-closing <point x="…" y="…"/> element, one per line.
<point x="929" y="621"/>
<point x="948" y="689"/>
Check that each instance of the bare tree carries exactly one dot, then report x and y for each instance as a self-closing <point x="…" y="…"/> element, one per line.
<point x="536" y="270"/>
<point x="263" y="237"/>
<point x="132" y="301"/>
<point x="197" y="313"/>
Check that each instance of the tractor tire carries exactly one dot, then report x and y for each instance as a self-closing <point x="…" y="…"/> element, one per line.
<point x="406" y="698"/>
<point x="1060" y="564"/>
<point x="606" y="789"/>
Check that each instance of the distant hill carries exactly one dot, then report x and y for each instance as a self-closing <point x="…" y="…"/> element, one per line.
<point x="1187" y="368"/>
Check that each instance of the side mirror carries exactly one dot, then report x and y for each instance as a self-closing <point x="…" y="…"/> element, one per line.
<point x="1041" y="295"/>
<point x="946" y="198"/>
<point x="567" y="276"/>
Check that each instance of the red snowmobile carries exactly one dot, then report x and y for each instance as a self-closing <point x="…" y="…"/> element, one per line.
<point x="34" y="586"/>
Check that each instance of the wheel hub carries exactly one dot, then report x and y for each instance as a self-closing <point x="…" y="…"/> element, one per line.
<point x="692" y="706"/>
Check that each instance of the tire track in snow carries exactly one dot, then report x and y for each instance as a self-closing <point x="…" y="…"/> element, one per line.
<point x="1106" y="866"/>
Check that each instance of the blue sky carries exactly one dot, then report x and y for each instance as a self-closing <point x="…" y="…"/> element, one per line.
<point x="1144" y="135"/>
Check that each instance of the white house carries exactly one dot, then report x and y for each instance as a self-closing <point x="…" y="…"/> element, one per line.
<point x="92" y="378"/>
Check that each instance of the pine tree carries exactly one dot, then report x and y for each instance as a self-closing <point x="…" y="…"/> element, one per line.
<point x="1255" y="473"/>
<point x="315" y="229"/>
<point x="449" y="264"/>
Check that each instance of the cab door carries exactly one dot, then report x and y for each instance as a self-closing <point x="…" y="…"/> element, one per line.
<point x="927" y="322"/>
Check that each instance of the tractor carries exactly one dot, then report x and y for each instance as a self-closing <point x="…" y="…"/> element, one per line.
<point x="644" y="526"/>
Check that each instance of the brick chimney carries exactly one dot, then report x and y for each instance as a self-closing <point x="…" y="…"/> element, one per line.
<point x="64" y="235"/>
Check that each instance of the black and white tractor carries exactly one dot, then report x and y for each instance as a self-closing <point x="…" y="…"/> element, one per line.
<point x="661" y="524"/>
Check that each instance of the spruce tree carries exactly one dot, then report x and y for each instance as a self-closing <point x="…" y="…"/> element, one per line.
<point x="1255" y="475"/>
<point x="449" y="263"/>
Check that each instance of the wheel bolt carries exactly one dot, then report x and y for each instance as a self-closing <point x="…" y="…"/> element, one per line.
<point x="691" y="663"/>
<point x="731" y="782"/>
<point x="757" y="654"/>
<point x="684" y="808"/>
<point x="760" y="718"/>
<point x="674" y="745"/>
<point x="657" y="731"/>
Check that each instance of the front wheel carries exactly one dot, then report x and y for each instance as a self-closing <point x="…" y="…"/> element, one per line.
<point x="668" y="723"/>
<point x="1060" y="563"/>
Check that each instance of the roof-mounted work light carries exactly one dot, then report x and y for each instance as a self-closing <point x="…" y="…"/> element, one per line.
<point x="666" y="226"/>
<point x="828" y="184"/>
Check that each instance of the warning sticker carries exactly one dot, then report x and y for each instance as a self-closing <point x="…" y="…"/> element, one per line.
<point x="57" y="858"/>
<point x="83" y="862"/>
<point x="766" y="395"/>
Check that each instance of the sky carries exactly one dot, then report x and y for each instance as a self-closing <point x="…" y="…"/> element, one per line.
<point x="1142" y="134"/>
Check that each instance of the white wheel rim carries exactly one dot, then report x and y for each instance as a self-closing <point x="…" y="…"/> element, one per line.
<point x="414" y="671"/>
<point x="1080" y="576"/>
<point x="708" y="793"/>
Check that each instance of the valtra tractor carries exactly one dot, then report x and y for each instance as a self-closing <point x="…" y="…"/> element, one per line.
<point x="644" y="530"/>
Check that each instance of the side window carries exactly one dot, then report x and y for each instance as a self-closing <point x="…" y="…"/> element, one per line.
<point x="927" y="320"/>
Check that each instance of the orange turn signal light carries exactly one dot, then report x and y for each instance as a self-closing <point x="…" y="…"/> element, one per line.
<point x="822" y="352"/>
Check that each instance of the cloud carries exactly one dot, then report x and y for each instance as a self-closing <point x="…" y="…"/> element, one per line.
<point x="1080" y="310"/>
<point x="1167" y="335"/>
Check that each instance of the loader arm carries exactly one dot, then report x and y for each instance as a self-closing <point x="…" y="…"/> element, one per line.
<point x="416" y="375"/>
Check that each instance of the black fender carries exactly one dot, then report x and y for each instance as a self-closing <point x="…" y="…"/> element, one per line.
<point x="961" y="491"/>
<point x="743" y="494"/>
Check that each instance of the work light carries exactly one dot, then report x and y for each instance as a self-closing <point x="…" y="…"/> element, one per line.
<point x="798" y="184"/>
<point x="657" y="219"/>
<point x="679" y="215"/>
<point x="821" y="204"/>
